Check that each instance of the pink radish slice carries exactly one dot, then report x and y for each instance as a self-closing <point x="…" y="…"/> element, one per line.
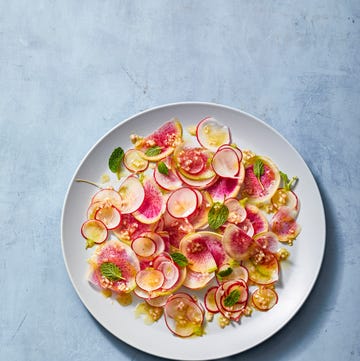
<point x="284" y="225"/>
<point x="199" y="219"/>
<point x="134" y="162"/>
<point x="163" y="257"/>
<point x="108" y="196"/>
<point x="209" y="300"/>
<point x="231" y="312"/>
<point x="238" y="272"/>
<point x="94" y="230"/>
<point x="196" y="183"/>
<point x="257" y="219"/>
<point x="139" y="292"/>
<point x="263" y="268"/>
<point x="264" y="299"/>
<point x="199" y="196"/>
<point x="191" y="160"/>
<point x="197" y="280"/>
<point x="267" y="241"/>
<point x="169" y="182"/>
<point x="182" y="203"/>
<point x="226" y="163"/>
<point x="247" y="227"/>
<point x="144" y="247"/>
<point x="158" y="301"/>
<point x="149" y="279"/>
<point x="160" y="244"/>
<point x="235" y="148"/>
<point x="109" y="215"/>
<point x="171" y="274"/>
<point x="132" y="194"/>
<point x="237" y="212"/>
<point x="211" y="134"/>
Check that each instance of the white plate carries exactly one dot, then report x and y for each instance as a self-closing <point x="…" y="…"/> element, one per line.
<point x="297" y="278"/>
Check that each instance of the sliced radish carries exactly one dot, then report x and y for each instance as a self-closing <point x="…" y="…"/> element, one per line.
<point x="237" y="273"/>
<point x="109" y="215"/>
<point x="163" y="257"/>
<point x="182" y="203"/>
<point x="132" y="194"/>
<point x="149" y="279"/>
<point x="171" y="274"/>
<point x="284" y="197"/>
<point x="94" y="230"/>
<point x="134" y="162"/>
<point x="267" y="241"/>
<point x="144" y="247"/>
<point x="209" y="300"/>
<point x="264" y="298"/>
<point x="158" y="301"/>
<point x="257" y="219"/>
<point x="157" y="239"/>
<point x="199" y="219"/>
<point x="108" y="196"/>
<point x="197" y="280"/>
<point x="170" y="181"/>
<point x="93" y="208"/>
<point x="284" y="225"/>
<point x="235" y="148"/>
<point x="226" y="163"/>
<point x="237" y="212"/>
<point x="247" y="227"/>
<point x="211" y="134"/>
<point x="196" y="183"/>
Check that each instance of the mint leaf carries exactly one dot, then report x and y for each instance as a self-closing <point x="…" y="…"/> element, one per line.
<point x="258" y="168"/>
<point x="153" y="151"/>
<point x="288" y="184"/>
<point x="111" y="271"/>
<point x="179" y="259"/>
<point x="115" y="159"/>
<point x="232" y="298"/>
<point x="162" y="168"/>
<point x="226" y="272"/>
<point x="218" y="215"/>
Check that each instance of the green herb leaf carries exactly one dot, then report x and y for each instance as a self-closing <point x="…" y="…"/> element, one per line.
<point x="180" y="259"/>
<point x="89" y="243"/>
<point x="218" y="215"/>
<point x="163" y="169"/>
<point x="111" y="271"/>
<point x="115" y="159"/>
<point x="232" y="298"/>
<point x="226" y="272"/>
<point x="288" y="184"/>
<point x="258" y="168"/>
<point x="153" y="151"/>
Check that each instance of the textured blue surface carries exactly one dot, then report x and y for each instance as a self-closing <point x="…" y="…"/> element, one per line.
<point x="71" y="70"/>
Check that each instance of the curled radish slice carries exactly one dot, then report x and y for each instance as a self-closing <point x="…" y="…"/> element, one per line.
<point x="109" y="215"/>
<point x="158" y="301"/>
<point x="268" y="241"/>
<point x="144" y="247"/>
<point x="94" y="231"/>
<point x="171" y="274"/>
<point x="209" y="300"/>
<point x="149" y="279"/>
<point x="284" y="197"/>
<point x="234" y="272"/>
<point x="183" y="316"/>
<point x="199" y="196"/>
<point x="226" y="163"/>
<point x="235" y="148"/>
<point x="237" y="212"/>
<point x="163" y="257"/>
<point x="182" y="203"/>
<point x="108" y="196"/>
<point x="170" y="181"/>
<point x="264" y="298"/>
<point x="134" y="162"/>
<point x="157" y="239"/>
<point x="198" y="183"/>
<point x="211" y="134"/>
<point x="132" y="194"/>
<point x="93" y="208"/>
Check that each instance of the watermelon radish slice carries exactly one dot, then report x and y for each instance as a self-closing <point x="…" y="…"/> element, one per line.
<point x="182" y="203"/>
<point x="170" y="181"/>
<point x="284" y="225"/>
<point x="211" y="134"/>
<point x="237" y="244"/>
<point x="109" y="197"/>
<point x="267" y="241"/>
<point x="209" y="300"/>
<point x="247" y="227"/>
<point x="94" y="231"/>
<point x="257" y="219"/>
<point x="226" y="163"/>
<point x="263" y="268"/>
<point x="166" y="139"/>
<point x="153" y="205"/>
<point x="123" y="257"/>
<point x="134" y="161"/>
<point x="149" y="279"/>
<point x="238" y="272"/>
<point x="264" y="298"/>
<point x="197" y="280"/>
<point x="109" y="215"/>
<point x="132" y="194"/>
<point x="225" y="188"/>
<point x="237" y="212"/>
<point x="260" y="191"/>
<point x="285" y="197"/>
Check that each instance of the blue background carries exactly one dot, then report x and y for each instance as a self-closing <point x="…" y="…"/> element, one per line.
<point x="71" y="70"/>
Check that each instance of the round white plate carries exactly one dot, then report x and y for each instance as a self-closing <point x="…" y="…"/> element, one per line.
<point x="298" y="275"/>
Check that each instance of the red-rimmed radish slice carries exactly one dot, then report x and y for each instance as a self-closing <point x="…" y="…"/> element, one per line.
<point x="153" y="205"/>
<point x="264" y="298"/>
<point x="132" y="194"/>
<point x="234" y="311"/>
<point x="171" y="274"/>
<point x="163" y="257"/>
<point x="170" y="181"/>
<point x="211" y="134"/>
<point x="183" y="295"/>
<point x="190" y="160"/>
<point x="237" y="244"/>
<point x="94" y="231"/>
<point x="182" y="203"/>
<point x="225" y="188"/>
<point x="237" y="212"/>
<point x="209" y="300"/>
<point x="235" y="148"/>
<point x="183" y="317"/>
<point x="109" y="215"/>
<point x="134" y="162"/>
<point x="149" y="279"/>
<point x="238" y="272"/>
<point x="108" y="196"/>
<point x="284" y="197"/>
<point x="257" y="219"/>
<point x="160" y="244"/>
<point x="226" y="163"/>
<point x="267" y="241"/>
<point x="199" y="219"/>
<point x="145" y="295"/>
<point x="197" y="280"/>
<point x="199" y="196"/>
<point x="196" y="183"/>
<point x="93" y="208"/>
<point x="144" y="247"/>
<point x="263" y="268"/>
<point x="284" y="225"/>
<point x="247" y="227"/>
<point x="158" y="301"/>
